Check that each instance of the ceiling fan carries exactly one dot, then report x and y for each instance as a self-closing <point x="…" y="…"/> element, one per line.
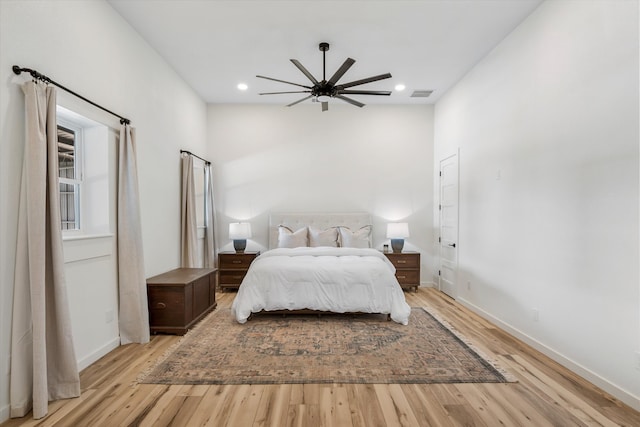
<point x="323" y="90"/>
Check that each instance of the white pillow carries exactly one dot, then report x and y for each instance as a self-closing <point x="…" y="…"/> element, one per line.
<point x="291" y="239"/>
<point x="328" y="237"/>
<point x="355" y="239"/>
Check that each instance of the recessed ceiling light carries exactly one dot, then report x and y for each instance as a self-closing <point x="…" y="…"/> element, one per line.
<point x="243" y="86"/>
<point x="400" y="87"/>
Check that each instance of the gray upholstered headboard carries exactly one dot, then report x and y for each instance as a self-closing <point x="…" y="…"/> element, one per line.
<point x="322" y="221"/>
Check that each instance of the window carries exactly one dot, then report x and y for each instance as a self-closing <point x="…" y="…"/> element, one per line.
<point x="84" y="157"/>
<point x="70" y="173"/>
<point x="199" y="183"/>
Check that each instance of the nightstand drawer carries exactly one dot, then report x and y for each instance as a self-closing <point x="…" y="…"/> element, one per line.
<point x="230" y="277"/>
<point x="404" y="260"/>
<point x="408" y="277"/>
<point x="240" y="261"/>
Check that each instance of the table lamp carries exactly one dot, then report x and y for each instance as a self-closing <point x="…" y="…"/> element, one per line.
<point x="239" y="232"/>
<point x="397" y="231"/>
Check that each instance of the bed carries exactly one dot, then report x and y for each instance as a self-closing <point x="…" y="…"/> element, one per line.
<point x="324" y="263"/>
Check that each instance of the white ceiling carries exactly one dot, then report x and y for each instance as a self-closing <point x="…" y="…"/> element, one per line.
<point x="425" y="44"/>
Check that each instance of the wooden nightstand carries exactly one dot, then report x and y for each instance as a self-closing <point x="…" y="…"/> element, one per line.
<point x="233" y="266"/>
<point x="179" y="298"/>
<point x="407" y="266"/>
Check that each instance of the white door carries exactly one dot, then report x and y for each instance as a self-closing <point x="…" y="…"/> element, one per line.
<point x="448" y="239"/>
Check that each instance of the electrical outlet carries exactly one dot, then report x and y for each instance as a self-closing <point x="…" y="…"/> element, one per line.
<point x="468" y="285"/>
<point x="536" y="315"/>
<point x="108" y="316"/>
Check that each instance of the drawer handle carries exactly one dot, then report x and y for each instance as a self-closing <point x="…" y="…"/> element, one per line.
<point x="161" y="305"/>
<point x="402" y="277"/>
<point x="401" y="261"/>
<point x="237" y="261"/>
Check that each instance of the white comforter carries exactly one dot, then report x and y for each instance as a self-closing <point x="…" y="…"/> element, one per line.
<point x="339" y="280"/>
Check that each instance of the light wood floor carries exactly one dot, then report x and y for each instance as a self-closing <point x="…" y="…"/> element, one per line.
<point x="546" y="394"/>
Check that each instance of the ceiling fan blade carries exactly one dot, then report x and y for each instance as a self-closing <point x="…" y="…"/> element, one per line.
<point x="350" y="101"/>
<point x="367" y="80"/>
<point x="325" y="106"/>
<point x="343" y="69"/>
<point x="304" y="71"/>
<point x="364" y="92"/>
<point x="300" y="100"/>
<point x="283" y="81"/>
<point x="278" y="93"/>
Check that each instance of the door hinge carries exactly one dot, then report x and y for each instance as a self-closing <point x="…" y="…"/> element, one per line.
<point x="439" y="239"/>
<point x="439" y="207"/>
<point x="440" y="173"/>
<point x="439" y="273"/>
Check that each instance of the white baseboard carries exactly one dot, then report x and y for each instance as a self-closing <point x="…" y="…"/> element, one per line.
<point x="96" y="355"/>
<point x="4" y="413"/>
<point x="427" y="285"/>
<point x="82" y="364"/>
<point x="603" y="383"/>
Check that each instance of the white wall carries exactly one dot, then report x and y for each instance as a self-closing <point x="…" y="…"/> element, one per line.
<point x="97" y="54"/>
<point x="553" y="111"/>
<point x="378" y="159"/>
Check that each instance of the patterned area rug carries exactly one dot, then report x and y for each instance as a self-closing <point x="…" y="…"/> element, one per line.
<point x="335" y="348"/>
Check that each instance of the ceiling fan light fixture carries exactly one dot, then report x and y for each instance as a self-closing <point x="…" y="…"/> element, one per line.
<point x="242" y="86"/>
<point x="400" y="87"/>
<point x="323" y="98"/>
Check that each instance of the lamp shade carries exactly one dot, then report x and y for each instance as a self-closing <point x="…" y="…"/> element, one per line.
<point x="239" y="230"/>
<point x="397" y="230"/>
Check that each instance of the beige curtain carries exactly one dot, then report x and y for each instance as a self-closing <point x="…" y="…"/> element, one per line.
<point x="43" y="361"/>
<point x="189" y="225"/>
<point x="210" y="246"/>
<point x="132" y="286"/>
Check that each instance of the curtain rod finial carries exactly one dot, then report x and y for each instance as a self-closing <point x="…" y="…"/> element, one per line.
<point x="16" y="69"/>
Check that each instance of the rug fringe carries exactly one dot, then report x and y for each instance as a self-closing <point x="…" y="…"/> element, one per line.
<point x="508" y="376"/>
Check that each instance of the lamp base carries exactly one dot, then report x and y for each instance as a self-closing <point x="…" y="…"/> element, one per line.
<point x="240" y="245"/>
<point x="397" y="245"/>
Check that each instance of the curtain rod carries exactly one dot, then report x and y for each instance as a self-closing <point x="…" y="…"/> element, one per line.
<point x="191" y="154"/>
<point x="36" y="75"/>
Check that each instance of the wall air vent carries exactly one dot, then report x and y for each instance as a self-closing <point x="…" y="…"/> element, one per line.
<point x="421" y="93"/>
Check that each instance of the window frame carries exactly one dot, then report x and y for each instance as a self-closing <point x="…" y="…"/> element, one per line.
<point x="77" y="181"/>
